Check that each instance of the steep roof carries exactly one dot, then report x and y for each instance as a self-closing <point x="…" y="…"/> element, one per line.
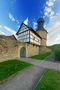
<point x="29" y="28"/>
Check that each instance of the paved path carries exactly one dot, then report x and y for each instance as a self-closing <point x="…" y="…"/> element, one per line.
<point x="24" y="80"/>
<point x="27" y="79"/>
<point x="43" y="63"/>
<point x="51" y="57"/>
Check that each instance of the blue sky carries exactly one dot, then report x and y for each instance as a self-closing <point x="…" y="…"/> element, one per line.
<point x="14" y="12"/>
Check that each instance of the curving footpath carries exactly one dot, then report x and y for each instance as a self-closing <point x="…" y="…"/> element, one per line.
<point x="43" y="63"/>
<point x="24" y="80"/>
<point x="27" y="78"/>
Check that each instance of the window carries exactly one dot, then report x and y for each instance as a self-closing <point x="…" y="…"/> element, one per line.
<point x="33" y="38"/>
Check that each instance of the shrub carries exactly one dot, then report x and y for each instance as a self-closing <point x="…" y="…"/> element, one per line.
<point x="57" y="54"/>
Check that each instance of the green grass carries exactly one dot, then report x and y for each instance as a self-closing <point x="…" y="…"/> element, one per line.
<point x="56" y="51"/>
<point x="7" y="68"/>
<point x="49" y="81"/>
<point x="41" y="56"/>
<point x="57" y="54"/>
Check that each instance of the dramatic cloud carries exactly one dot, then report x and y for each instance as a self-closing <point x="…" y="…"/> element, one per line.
<point x="49" y="12"/>
<point x="50" y="3"/>
<point x="26" y="21"/>
<point x="2" y="33"/>
<point x="34" y="25"/>
<point x="53" y="27"/>
<point x="12" y="18"/>
<point x="11" y="31"/>
<point x="54" y="30"/>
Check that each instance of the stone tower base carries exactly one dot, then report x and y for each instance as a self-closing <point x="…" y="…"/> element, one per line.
<point x="44" y="49"/>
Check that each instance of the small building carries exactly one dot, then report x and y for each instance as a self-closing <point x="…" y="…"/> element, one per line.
<point x="32" y="42"/>
<point x="28" y="42"/>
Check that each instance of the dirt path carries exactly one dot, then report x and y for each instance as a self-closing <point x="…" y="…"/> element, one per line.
<point x="24" y="80"/>
<point x="27" y="79"/>
<point x="43" y="63"/>
<point x="51" y="58"/>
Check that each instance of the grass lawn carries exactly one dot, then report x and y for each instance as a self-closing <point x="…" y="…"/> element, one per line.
<point x="7" y="68"/>
<point x="56" y="50"/>
<point x="49" y="81"/>
<point x="57" y="54"/>
<point x="41" y="56"/>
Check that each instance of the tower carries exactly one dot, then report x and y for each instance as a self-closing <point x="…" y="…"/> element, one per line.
<point x="42" y="32"/>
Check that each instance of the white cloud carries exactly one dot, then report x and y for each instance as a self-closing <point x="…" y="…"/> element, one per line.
<point x="12" y="18"/>
<point x="34" y="25"/>
<point x="49" y="8"/>
<point x="49" y="3"/>
<point x="54" y="30"/>
<point x="11" y="31"/>
<point x="52" y="13"/>
<point x="58" y="38"/>
<point x="2" y="33"/>
<point x="26" y="21"/>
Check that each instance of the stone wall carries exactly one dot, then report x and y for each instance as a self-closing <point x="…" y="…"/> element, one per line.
<point x="31" y="50"/>
<point x="8" y="48"/>
<point x="43" y="35"/>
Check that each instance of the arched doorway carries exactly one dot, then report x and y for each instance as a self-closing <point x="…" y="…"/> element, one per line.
<point x="22" y="52"/>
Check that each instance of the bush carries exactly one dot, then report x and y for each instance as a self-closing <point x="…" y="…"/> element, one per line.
<point x="57" y="54"/>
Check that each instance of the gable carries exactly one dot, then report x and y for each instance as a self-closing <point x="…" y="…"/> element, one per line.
<point x="22" y="28"/>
